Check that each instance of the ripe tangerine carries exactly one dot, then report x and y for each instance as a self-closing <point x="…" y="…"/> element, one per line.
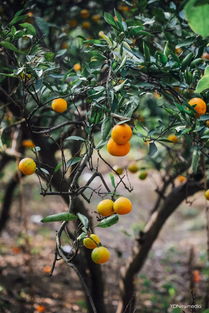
<point x="122" y="206"/>
<point x="199" y="105"/>
<point x="59" y="105"/>
<point x="118" y="150"/>
<point x="27" y="166"/>
<point x="121" y="134"/>
<point x="105" y="207"/>
<point x="100" y="255"/>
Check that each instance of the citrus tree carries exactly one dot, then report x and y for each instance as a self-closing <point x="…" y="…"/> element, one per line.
<point x="77" y="84"/>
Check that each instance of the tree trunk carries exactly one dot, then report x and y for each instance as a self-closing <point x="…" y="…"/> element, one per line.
<point x="143" y="246"/>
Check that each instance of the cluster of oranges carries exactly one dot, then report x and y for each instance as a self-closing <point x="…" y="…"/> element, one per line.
<point x="99" y="253"/>
<point x="121" y="206"/>
<point x="105" y="208"/>
<point x="118" y="144"/>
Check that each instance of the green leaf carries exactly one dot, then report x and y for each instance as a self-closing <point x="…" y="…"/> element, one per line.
<point x="108" y="221"/>
<point x="82" y="236"/>
<point x="43" y="25"/>
<point x="112" y="179"/>
<point x="152" y="149"/>
<point x="197" y="17"/>
<point x="44" y="170"/>
<point x="206" y="311"/>
<point x="58" y="166"/>
<point x="195" y="159"/>
<point x="84" y="220"/>
<point x="109" y="19"/>
<point x="49" y="56"/>
<point x="202" y="84"/>
<point x="59" y="217"/>
<point x="17" y="18"/>
<point x="29" y="27"/>
<point x="106" y="127"/>
<point x="76" y="138"/>
<point x="204" y="117"/>
<point x="73" y="161"/>
<point x="10" y="46"/>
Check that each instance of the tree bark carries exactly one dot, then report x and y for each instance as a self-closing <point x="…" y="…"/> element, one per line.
<point x="143" y="246"/>
<point x="7" y="200"/>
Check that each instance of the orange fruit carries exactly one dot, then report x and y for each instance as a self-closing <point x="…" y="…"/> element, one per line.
<point x="122" y="206"/>
<point x="96" y="18"/>
<point x="84" y="13"/>
<point x="100" y="255"/>
<point x="28" y="143"/>
<point x="91" y="242"/>
<point x="59" y="105"/>
<point x="118" y="150"/>
<point x="133" y="167"/>
<point x="199" y="105"/>
<point x="181" y="179"/>
<point x="196" y="276"/>
<point x="178" y="50"/>
<point x="207" y="194"/>
<point x="27" y="166"/>
<point x="105" y="207"/>
<point x="121" y="133"/>
<point x="73" y="23"/>
<point x="47" y="269"/>
<point x="40" y="308"/>
<point x="143" y="175"/>
<point x="77" y="67"/>
<point x="86" y="25"/>
<point x="172" y="138"/>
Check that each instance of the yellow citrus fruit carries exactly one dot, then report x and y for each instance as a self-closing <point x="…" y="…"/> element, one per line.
<point x="133" y="167"/>
<point x="118" y="150"/>
<point x="122" y="206"/>
<point x="100" y="255"/>
<point x="59" y="105"/>
<point x="91" y="242"/>
<point x="28" y="143"/>
<point x="207" y="123"/>
<point x="73" y="23"/>
<point x="105" y="207"/>
<point x="181" y="179"/>
<point x="121" y="134"/>
<point x="101" y="34"/>
<point x="178" y="50"/>
<point x="84" y="13"/>
<point x="86" y="25"/>
<point x="172" y="138"/>
<point x="199" y="105"/>
<point x="27" y="166"/>
<point x="118" y="169"/>
<point x="143" y="175"/>
<point x="96" y="18"/>
<point x="77" y="67"/>
<point x="207" y="194"/>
